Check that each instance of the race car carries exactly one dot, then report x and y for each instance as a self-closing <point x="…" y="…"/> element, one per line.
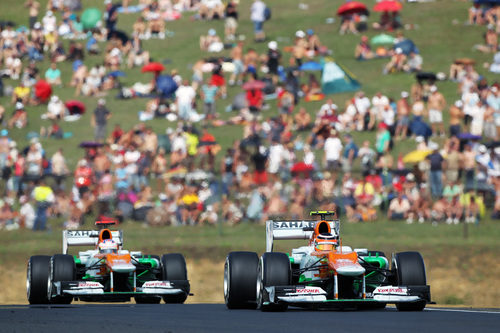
<point x="323" y="274"/>
<point x="107" y="273"/>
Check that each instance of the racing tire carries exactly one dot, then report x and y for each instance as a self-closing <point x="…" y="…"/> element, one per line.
<point x="240" y="278"/>
<point x="37" y="275"/>
<point x="274" y="270"/>
<point x="174" y="268"/>
<point x="147" y="299"/>
<point x="62" y="268"/>
<point x="409" y="269"/>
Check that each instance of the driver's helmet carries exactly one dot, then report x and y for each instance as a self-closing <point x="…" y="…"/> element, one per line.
<point x="108" y="246"/>
<point x="325" y="242"/>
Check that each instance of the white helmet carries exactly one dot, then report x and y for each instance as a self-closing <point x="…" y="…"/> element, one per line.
<point x="108" y="246"/>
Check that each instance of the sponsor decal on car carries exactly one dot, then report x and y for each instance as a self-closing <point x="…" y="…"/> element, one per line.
<point x="310" y="291"/>
<point x="391" y="290"/>
<point x="293" y="224"/>
<point x="156" y="284"/>
<point x="89" y="285"/>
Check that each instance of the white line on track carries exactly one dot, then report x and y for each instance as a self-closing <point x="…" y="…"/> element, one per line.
<point x="460" y="310"/>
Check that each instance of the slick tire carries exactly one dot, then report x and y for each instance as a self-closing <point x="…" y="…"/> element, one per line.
<point x="274" y="270"/>
<point x="240" y="279"/>
<point x="37" y="275"/>
<point x="410" y="271"/>
<point x="174" y="268"/>
<point x="147" y="299"/>
<point x="62" y="268"/>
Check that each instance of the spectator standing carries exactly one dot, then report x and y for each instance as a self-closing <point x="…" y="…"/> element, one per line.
<point x="273" y="60"/>
<point x="100" y="120"/>
<point x="208" y="94"/>
<point x="436" y="173"/>
<point x="34" y="9"/>
<point x="436" y="105"/>
<point x="333" y="148"/>
<point x="185" y="95"/>
<point x="257" y="16"/>
<point x="111" y="16"/>
<point x="44" y="197"/>
<point x="231" y="23"/>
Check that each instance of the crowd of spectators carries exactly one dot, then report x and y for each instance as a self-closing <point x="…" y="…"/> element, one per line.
<point x="280" y="166"/>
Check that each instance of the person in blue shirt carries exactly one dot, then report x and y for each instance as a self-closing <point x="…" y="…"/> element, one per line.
<point x="53" y="75"/>
<point x="350" y="153"/>
<point x="208" y="94"/>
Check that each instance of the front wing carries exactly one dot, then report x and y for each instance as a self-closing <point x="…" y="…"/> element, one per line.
<point x="95" y="291"/>
<point x="316" y="297"/>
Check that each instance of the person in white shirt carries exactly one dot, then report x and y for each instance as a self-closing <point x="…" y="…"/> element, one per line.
<point x="379" y="101"/>
<point x="49" y="22"/>
<point x="55" y="109"/>
<point x="257" y="17"/>
<point x="333" y="149"/>
<point x="388" y="116"/>
<point x="276" y="152"/>
<point x="185" y="95"/>
<point x="362" y="104"/>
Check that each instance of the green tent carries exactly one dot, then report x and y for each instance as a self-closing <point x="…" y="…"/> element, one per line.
<point x="335" y="80"/>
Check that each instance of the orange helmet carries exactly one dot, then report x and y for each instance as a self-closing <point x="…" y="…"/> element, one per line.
<point x="325" y="242"/>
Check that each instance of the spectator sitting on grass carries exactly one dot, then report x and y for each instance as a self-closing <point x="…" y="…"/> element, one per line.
<point x="399" y="208"/>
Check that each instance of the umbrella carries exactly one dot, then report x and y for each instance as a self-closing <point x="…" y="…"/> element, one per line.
<point x="43" y="90"/>
<point x="153" y="67"/>
<point x="176" y="172"/>
<point x="75" y="107"/>
<point x="121" y="35"/>
<point x="166" y="85"/>
<point x="422" y="76"/>
<point x="469" y="136"/>
<point x="301" y="167"/>
<point x="207" y="143"/>
<point x="382" y="39"/>
<point x="388" y="6"/>
<point x="254" y="84"/>
<point x="90" y="17"/>
<point x="351" y="7"/>
<point x="416" y="156"/>
<point x="117" y="74"/>
<point x="90" y="144"/>
<point x="407" y="46"/>
<point x="311" y="66"/>
<point x="465" y="61"/>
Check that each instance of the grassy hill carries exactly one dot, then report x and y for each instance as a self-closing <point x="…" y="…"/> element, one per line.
<point x="461" y="271"/>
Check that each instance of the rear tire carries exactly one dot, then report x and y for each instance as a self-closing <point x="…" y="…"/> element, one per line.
<point x="37" y="275"/>
<point x="274" y="270"/>
<point x="62" y="268"/>
<point x="174" y="268"/>
<point x="410" y="271"/>
<point x="240" y="278"/>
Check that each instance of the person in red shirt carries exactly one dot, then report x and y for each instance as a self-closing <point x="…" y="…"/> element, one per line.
<point x="116" y="134"/>
<point x="83" y="176"/>
<point x="208" y="149"/>
<point x="254" y="100"/>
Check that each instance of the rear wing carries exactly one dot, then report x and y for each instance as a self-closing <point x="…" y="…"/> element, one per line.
<point x="87" y="237"/>
<point x="293" y="229"/>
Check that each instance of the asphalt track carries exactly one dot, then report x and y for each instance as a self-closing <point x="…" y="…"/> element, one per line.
<point x="216" y="318"/>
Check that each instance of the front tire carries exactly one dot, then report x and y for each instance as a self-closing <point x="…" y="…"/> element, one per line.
<point x="174" y="268"/>
<point x="37" y="275"/>
<point x="274" y="270"/>
<point x="240" y="277"/>
<point x="410" y="271"/>
<point x="62" y="268"/>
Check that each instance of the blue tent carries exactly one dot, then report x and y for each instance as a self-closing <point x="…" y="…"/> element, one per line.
<point x="335" y="80"/>
<point x="311" y="66"/>
<point x="165" y="85"/>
